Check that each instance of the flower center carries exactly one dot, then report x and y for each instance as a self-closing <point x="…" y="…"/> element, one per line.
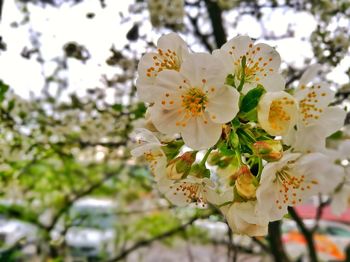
<point x="166" y="59"/>
<point x="279" y="115"/>
<point x="193" y="193"/>
<point x="291" y="187"/>
<point x="309" y="108"/>
<point x="194" y="101"/>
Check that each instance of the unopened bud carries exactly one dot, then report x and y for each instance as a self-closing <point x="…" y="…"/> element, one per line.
<point x="269" y="150"/>
<point x="246" y="183"/>
<point x="180" y="167"/>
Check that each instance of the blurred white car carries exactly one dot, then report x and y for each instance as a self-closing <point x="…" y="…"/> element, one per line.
<point x="92" y="233"/>
<point x="18" y="233"/>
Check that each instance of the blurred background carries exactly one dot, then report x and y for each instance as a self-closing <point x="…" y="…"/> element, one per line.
<point x="69" y="189"/>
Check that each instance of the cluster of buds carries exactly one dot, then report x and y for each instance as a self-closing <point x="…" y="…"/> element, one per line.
<point x="235" y="138"/>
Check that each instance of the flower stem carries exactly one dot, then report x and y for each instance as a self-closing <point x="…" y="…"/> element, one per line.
<point x="260" y="168"/>
<point x="202" y="163"/>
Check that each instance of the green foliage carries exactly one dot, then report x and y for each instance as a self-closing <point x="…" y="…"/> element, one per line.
<point x="3" y="89"/>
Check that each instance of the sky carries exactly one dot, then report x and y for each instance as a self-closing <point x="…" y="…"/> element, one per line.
<point x="69" y="23"/>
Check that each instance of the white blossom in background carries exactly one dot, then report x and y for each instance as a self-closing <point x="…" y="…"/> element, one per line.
<point x="341" y="195"/>
<point x="166" y="12"/>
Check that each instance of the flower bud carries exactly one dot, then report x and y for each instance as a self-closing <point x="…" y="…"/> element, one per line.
<point x="180" y="167"/>
<point x="246" y="183"/>
<point x="269" y="150"/>
<point x="172" y="148"/>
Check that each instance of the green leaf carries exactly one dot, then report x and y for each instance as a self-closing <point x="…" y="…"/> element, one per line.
<point x="117" y="107"/>
<point x="251" y="99"/>
<point x="139" y="111"/>
<point x="3" y="90"/>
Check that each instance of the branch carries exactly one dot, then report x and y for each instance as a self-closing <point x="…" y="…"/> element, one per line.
<point x="307" y="234"/>
<point x="319" y="213"/>
<point x="214" y="12"/>
<point x="81" y="194"/>
<point x="148" y="242"/>
<point x="261" y="244"/>
<point x="197" y="32"/>
<point x="276" y="245"/>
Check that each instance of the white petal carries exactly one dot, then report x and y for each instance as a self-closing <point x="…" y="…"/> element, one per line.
<point x="340" y="200"/>
<point x="165" y="120"/>
<point x="223" y="104"/>
<point x="144" y="135"/>
<point x="309" y="75"/>
<point x="272" y="82"/>
<point x="175" y="43"/>
<point x="312" y="137"/>
<point x="266" y="56"/>
<point x="198" y="135"/>
<point x="216" y="198"/>
<point x="231" y="52"/>
<point x="202" y="67"/>
<point x="243" y="219"/>
<point x="238" y="46"/>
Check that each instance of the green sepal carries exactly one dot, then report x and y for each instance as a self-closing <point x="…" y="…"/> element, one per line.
<point x="199" y="171"/>
<point x="172" y="149"/>
<point x="230" y="80"/>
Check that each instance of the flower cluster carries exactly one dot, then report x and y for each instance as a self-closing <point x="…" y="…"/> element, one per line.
<point x="169" y="12"/>
<point x="223" y="130"/>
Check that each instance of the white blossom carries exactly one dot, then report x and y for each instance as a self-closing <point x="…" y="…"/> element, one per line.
<point x="171" y="52"/>
<point x="262" y="63"/>
<point x="292" y="180"/>
<point x="194" y="102"/>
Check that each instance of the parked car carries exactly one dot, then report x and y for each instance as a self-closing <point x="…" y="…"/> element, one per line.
<point x="18" y="236"/>
<point x="92" y="233"/>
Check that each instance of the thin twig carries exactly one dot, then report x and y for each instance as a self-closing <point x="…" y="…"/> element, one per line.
<point x="148" y="242"/>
